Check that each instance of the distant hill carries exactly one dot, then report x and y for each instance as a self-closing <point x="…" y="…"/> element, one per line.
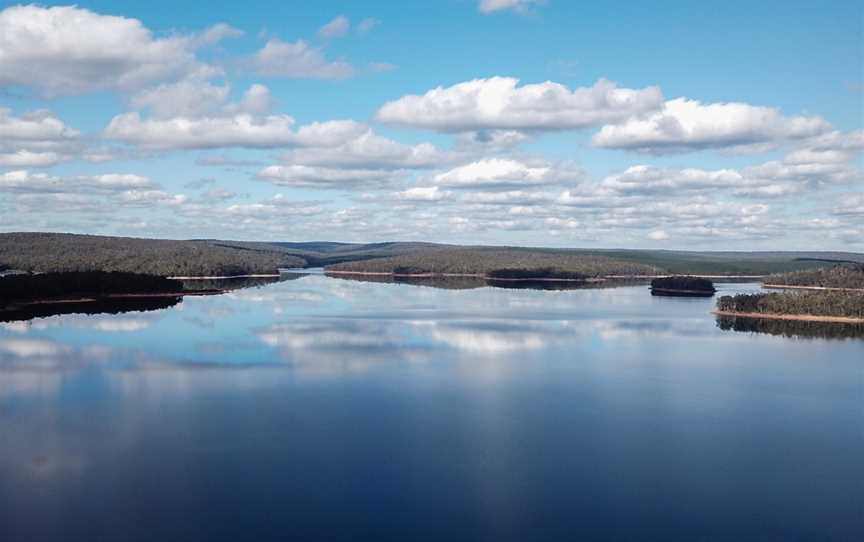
<point x="499" y="263"/>
<point x="47" y="252"/>
<point x="209" y="257"/>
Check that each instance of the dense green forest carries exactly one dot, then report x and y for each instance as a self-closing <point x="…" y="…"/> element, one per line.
<point x="43" y="252"/>
<point x="839" y="276"/>
<point x="46" y="252"/>
<point x="818" y="303"/>
<point x="498" y="263"/>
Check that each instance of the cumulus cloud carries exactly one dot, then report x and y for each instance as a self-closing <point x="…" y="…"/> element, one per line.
<point x="26" y="181"/>
<point x="70" y="50"/>
<point x="38" y="125"/>
<point x="336" y="28"/>
<point x="506" y="173"/>
<point x="36" y="139"/>
<point x="364" y="148"/>
<point x="297" y="60"/>
<point x="241" y="130"/>
<point x="325" y="177"/>
<point x="490" y="6"/>
<point x="498" y="103"/>
<point x="423" y="193"/>
<point x="685" y="124"/>
<point x="196" y="115"/>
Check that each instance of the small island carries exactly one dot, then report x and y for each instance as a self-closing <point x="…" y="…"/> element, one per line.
<point x="815" y="306"/>
<point x="682" y="286"/>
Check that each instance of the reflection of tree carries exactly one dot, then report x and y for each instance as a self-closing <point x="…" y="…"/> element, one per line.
<point x="468" y="283"/>
<point x="791" y="328"/>
<point x="103" y="306"/>
<point x="237" y="283"/>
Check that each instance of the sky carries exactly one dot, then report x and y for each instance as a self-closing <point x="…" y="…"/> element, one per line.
<point x="681" y="125"/>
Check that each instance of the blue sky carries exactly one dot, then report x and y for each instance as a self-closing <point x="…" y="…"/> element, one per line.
<point x="658" y="124"/>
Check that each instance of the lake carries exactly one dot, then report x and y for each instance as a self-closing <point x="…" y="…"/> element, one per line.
<point x="331" y="409"/>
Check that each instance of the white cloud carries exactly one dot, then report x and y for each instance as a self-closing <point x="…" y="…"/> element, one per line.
<point x="498" y="103"/>
<point x="851" y="204"/>
<point x="685" y="124"/>
<point x="70" y="50"/>
<point x="423" y="193"/>
<point x="242" y="130"/>
<point x="658" y="235"/>
<point x="298" y="60"/>
<point x="336" y="28"/>
<point x="324" y="177"/>
<point x="25" y="158"/>
<point x="363" y="148"/>
<point x="503" y="173"/>
<point x="646" y="180"/>
<point x="36" y="139"/>
<point x="25" y="181"/>
<point x="196" y="115"/>
<point x="38" y="125"/>
<point x="489" y="6"/>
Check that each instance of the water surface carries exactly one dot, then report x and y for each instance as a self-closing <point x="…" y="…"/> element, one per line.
<point x="333" y="409"/>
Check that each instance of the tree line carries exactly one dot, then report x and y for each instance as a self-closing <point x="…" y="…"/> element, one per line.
<point x="498" y="263"/>
<point x="820" y="303"/>
<point x="839" y="276"/>
<point x="57" y="252"/>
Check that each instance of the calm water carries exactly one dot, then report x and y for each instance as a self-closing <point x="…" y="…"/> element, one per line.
<point x="331" y="409"/>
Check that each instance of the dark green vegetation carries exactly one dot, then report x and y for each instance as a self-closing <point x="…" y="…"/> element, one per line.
<point x="473" y="282"/>
<point x="48" y="252"/>
<point x="730" y="263"/>
<point x="839" y="276"/>
<point x="819" y="303"/>
<point x="44" y="252"/>
<point x="435" y="258"/>
<point x="498" y="263"/>
<point x="682" y="286"/>
<point x="316" y="254"/>
<point x="792" y="328"/>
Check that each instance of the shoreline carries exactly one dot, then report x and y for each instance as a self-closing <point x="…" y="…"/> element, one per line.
<point x="459" y="275"/>
<point x="427" y="275"/>
<point x="819" y="288"/>
<point x="799" y="317"/>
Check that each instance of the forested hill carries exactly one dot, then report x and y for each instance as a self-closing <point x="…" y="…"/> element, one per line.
<point x="47" y="252"/>
<point x="498" y="263"/>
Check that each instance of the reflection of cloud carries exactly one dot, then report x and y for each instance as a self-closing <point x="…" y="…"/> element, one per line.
<point x="121" y="324"/>
<point x="99" y="322"/>
<point x="32" y="348"/>
<point x="333" y="345"/>
<point x="494" y="337"/>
